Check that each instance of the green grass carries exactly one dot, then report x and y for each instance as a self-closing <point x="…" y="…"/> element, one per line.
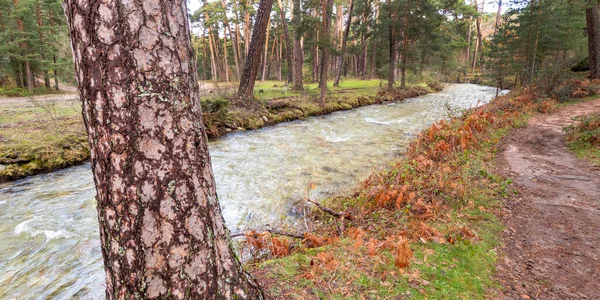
<point x="40" y="137"/>
<point x="584" y="138"/>
<point x="23" y="92"/>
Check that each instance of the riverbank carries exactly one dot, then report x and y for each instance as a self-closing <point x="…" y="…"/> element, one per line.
<point x="39" y="135"/>
<point x="426" y="227"/>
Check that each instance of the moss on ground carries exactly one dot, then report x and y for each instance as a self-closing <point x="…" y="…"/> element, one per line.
<point x="40" y="138"/>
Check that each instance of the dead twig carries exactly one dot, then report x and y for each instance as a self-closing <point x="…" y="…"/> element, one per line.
<point x="271" y="231"/>
<point x="338" y="214"/>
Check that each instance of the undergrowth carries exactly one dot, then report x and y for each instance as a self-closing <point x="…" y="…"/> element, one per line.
<point x="425" y="227"/>
<point x="584" y="137"/>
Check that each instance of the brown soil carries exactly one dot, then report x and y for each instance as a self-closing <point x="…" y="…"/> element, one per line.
<point x="552" y="236"/>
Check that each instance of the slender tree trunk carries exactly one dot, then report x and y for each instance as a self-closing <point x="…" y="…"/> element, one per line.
<point x="245" y="91"/>
<point x="279" y="59"/>
<point x="404" y="60"/>
<point x="161" y="228"/>
<point x="290" y="77"/>
<point x="54" y="66"/>
<point x="27" y="68"/>
<point x="535" y="45"/>
<point x="238" y="34"/>
<point x="393" y="64"/>
<point x="327" y="8"/>
<point x="469" y="42"/>
<point x="479" y="38"/>
<point x="247" y="28"/>
<point x="213" y="49"/>
<point x="266" y="50"/>
<point x="225" y="60"/>
<point x="593" y="34"/>
<point x="298" y="53"/>
<point x="498" y="17"/>
<point x="233" y="40"/>
<point x="55" y="74"/>
<point x="340" y="58"/>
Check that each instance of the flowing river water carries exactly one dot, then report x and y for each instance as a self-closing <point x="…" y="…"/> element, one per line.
<point x="49" y="241"/>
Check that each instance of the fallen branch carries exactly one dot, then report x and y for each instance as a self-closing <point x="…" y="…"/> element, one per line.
<point x="338" y="214"/>
<point x="271" y="231"/>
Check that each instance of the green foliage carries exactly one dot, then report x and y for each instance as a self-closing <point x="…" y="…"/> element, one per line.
<point x="584" y="137"/>
<point x="33" y="32"/>
<point x="538" y="42"/>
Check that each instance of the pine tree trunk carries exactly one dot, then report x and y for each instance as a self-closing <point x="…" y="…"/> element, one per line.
<point x="247" y="28"/>
<point x="233" y="38"/>
<point x="55" y="74"/>
<point x="161" y="229"/>
<point x="404" y="60"/>
<point x="392" y="72"/>
<point x="245" y="91"/>
<point x="469" y="42"/>
<point x="265" y="60"/>
<point x="498" y="16"/>
<point x="288" y="51"/>
<point x="340" y="58"/>
<point x="478" y="42"/>
<point x="593" y="33"/>
<point x="298" y="53"/>
<point x="26" y="66"/>
<point x="327" y="8"/>
<point x="238" y="34"/>
<point x="225" y="59"/>
<point x="535" y="45"/>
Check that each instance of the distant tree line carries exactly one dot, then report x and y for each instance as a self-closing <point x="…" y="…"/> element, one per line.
<point x="34" y="49"/>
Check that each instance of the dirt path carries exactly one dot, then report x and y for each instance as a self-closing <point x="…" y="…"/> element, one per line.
<point x="552" y="240"/>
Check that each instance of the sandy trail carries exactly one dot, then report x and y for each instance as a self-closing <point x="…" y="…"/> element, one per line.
<point x="552" y="236"/>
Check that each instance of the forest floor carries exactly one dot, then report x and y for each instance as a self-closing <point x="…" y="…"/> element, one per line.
<point x="552" y="242"/>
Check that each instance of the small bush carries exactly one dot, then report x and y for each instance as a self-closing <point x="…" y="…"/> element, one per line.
<point x="585" y="130"/>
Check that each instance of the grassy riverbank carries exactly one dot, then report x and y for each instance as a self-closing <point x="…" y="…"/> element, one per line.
<point x="38" y="136"/>
<point x="425" y="227"/>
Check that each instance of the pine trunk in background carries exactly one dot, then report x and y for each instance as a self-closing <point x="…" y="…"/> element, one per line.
<point x="55" y="74"/>
<point x="265" y="59"/>
<point x="478" y="41"/>
<point x="404" y="60"/>
<point x="535" y="44"/>
<point x="233" y="41"/>
<point x="298" y="53"/>
<point x="593" y="32"/>
<point x="498" y="16"/>
<point x="340" y="58"/>
<point x="247" y="33"/>
<point x="392" y="71"/>
<point x="245" y="91"/>
<point x="26" y="66"/>
<point x="161" y="229"/>
<point x="288" y="52"/>
<point x="327" y="9"/>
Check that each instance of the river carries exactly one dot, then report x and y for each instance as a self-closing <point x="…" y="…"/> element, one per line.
<point x="49" y="242"/>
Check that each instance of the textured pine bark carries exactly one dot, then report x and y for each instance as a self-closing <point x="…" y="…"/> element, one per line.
<point x="593" y="32"/>
<point x="245" y="91"/>
<point x="161" y="228"/>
